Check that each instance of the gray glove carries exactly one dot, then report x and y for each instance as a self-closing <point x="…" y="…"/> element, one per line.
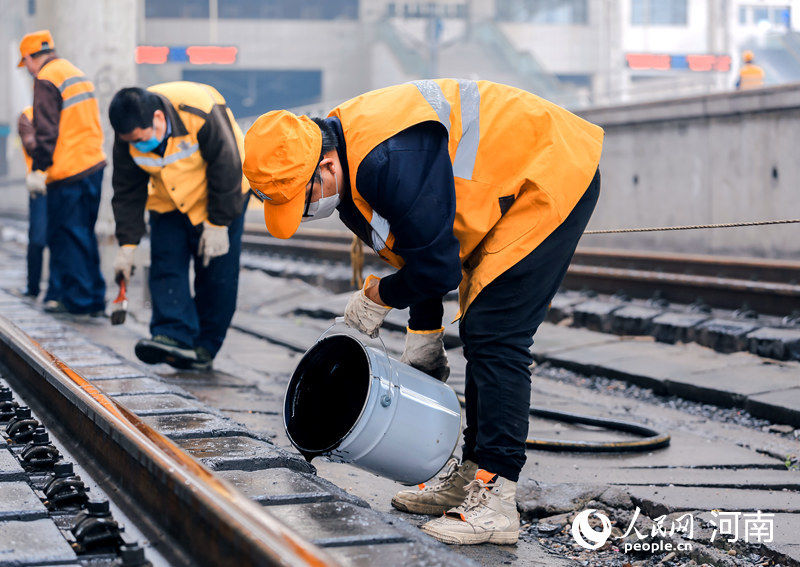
<point x="36" y="182"/>
<point x="425" y="351"/>
<point x="362" y="313"/>
<point x="123" y="263"/>
<point x="213" y="242"/>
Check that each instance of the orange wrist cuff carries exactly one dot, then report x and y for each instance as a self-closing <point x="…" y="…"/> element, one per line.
<point x="410" y="330"/>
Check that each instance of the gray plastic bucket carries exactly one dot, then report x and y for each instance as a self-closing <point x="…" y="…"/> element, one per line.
<point x="352" y="403"/>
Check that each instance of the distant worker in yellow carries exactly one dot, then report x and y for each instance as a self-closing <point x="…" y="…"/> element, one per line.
<point x="751" y="76"/>
<point x="178" y="154"/>
<point x="457" y="184"/>
<point x="67" y="164"/>
<point x="37" y="218"/>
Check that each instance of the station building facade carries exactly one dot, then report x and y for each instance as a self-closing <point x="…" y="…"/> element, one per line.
<point x="579" y="52"/>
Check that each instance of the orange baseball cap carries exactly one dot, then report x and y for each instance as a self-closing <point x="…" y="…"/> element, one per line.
<point x="34" y="43"/>
<point x="281" y="153"/>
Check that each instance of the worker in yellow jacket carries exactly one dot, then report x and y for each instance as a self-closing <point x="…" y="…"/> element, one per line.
<point x="751" y="76"/>
<point x="456" y="183"/>
<point x="177" y="154"/>
<point x="67" y="164"/>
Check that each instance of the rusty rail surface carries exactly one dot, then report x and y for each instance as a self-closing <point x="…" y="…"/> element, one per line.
<point x="767" y="286"/>
<point x="213" y="522"/>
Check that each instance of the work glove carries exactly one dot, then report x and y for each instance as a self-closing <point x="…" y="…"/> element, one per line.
<point x="35" y="182"/>
<point x="425" y="351"/>
<point x="362" y="313"/>
<point x="214" y="242"/>
<point x="123" y="263"/>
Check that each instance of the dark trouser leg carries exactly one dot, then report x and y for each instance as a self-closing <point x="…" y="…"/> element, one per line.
<point x="37" y="240"/>
<point x="71" y="216"/>
<point x="172" y="241"/>
<point x="53" y="281"/>
<point x="215" y="288"/>
<point x="38" y="236"/>
<point x="497" y="332"/>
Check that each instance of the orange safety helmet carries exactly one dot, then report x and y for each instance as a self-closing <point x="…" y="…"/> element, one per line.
<point x="34" y="43"/>
<point x="281" y="153"/>
<point x="748" y="56"/>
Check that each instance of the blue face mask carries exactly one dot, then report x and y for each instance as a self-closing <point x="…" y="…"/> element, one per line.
<point x="147" y="145"/>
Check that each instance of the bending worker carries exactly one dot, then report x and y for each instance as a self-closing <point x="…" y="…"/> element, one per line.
<point x="37" y="218"/>
<point x="452" y="182"/>
<point x="177" y="153"/>
<point x="751" y="76"/>
<point x="67" y="164"/>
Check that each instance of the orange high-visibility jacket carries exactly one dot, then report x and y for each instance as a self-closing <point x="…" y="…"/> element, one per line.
<point x="80" y="138"/>
<point x="751" y="77"/>
<point x="506" y="146"/>
<point x="178" y="178"/>
<point x="28" y="113"/>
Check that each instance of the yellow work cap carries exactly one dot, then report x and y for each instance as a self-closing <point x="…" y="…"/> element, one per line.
<point x="748" y="56"/>
<point x="34" y="43"/>
<point x="281" y="153"/>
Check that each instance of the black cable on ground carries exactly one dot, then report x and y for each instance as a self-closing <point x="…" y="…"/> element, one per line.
<point x="691" y="226"/>
<point x="651" y="439"/>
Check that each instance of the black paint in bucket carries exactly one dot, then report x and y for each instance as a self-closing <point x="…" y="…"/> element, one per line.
<point x="326" y="394"/>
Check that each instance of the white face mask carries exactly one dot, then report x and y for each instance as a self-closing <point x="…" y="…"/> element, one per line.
<point x="324" y="206"/>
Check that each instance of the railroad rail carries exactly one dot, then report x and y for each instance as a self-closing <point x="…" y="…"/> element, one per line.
<point x="770" y="287"/>
<point x="210" y="519"/>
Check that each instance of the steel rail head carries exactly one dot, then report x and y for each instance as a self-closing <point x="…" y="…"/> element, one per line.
<point x="241" y="531"/>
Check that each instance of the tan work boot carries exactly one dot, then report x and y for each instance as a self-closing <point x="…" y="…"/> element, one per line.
<point x="488" y="514"/>
<point x="441" y="493"/>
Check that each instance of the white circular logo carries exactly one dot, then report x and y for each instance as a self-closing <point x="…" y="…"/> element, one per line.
<point x="585" y="533"/>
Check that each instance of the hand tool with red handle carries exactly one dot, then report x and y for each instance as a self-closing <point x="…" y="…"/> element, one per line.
<point x="120" y="306"/>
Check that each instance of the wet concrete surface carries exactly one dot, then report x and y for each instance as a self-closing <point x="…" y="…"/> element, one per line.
<point x="239" y="453"/>
<point x="222" y="442"/>
<point x="280" y="487"/>
<point x="19" y="502"/>
<point x="34" y="542"/>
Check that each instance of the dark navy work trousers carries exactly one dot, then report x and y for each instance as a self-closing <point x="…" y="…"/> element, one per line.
<point x="37" y="242"/>
<point x="202" y="320"/>
<point x="71" y="215"/>
<point x="497" y="332"/>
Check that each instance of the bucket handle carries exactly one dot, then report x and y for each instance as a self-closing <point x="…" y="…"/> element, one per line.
<point x="340" y="321"/>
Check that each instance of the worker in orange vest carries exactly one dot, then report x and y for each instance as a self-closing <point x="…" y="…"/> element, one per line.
<point x="456" y="183"/>
<point x="37" y="218"/>
<point x="751" y="76"/>
<point x="67" y="165"/>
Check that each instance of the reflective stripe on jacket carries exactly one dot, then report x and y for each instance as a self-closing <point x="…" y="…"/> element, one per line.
<point x="179" y="178"/>
<point x="520" y="164"/>
<point x="79" y="146"/>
